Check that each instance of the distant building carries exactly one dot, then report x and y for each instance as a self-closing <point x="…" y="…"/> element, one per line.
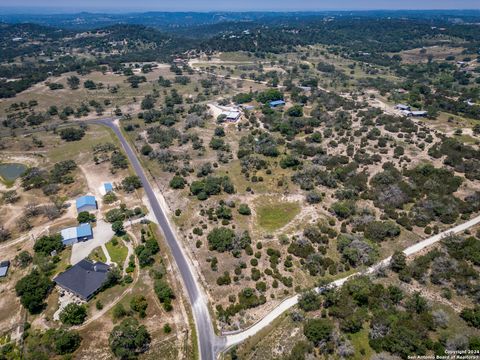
<point x="232" y="116"/>
<point x="418" y="113"/>
<point x="276" y="103"/>
<point x="248" y="107"/>
<point x="402" y="107"/>
<point x="305" y="88"/>
<point x="72" y="235"/>
<point x="4" y="265"/>
<point x="86" y="203"/>
<point x="84" y="279"/>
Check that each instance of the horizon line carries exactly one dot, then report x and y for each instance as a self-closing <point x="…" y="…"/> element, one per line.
<point x="127" y="10"/>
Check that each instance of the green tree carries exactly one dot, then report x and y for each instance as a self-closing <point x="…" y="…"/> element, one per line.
<point x="129" y="339"/>
<point x="399" y="261"/>
<point x="48" y="243"/>
<point x="177" y="182"/>
<point x="164" y="293"/>
<point x="86" y="217"/>
<point x="33" y="290"/>
<point x="73" y="82"/>
<point x="471" y="316"/>
<point x="318" y="330"/>
<point x="295" y="111"/>
<point x="117" y="227"/>
<point x="309" y="301"/>
<point x="130" y="183"/>
<point x="73" y="314"/>
<point x="244" y="209"/>
<point x="66" y="342"/>
<point x="221" y="239"/>
<point x="72" y="134"/>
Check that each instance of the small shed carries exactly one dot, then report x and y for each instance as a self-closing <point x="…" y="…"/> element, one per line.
<point x="86" y="203"/>
<point x="4" y="266"/>
<point x="72" y="235"/>
<point x="105" y="188"/>
<point x="276" y="103"/>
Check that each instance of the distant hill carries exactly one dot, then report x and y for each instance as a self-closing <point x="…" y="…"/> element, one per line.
<point x="174" y="21"/>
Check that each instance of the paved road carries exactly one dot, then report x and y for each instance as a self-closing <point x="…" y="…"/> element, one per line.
<point x="239" y="337"/>
<point x="208" y="342"/>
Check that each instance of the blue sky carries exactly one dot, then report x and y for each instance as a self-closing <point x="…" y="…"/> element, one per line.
<point x="242" y="5"/>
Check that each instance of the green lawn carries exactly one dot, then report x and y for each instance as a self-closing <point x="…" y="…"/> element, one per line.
<point x="118" y="252"/>
<point x="97" y="255"/>
<point x="68" y="150"/>
<point x="272" y="216"/>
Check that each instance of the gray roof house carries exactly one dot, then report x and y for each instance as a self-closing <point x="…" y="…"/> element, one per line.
<point x="84" y="279"/>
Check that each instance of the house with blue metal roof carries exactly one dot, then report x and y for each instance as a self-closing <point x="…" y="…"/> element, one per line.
<point x="72" y="235"/>
<point x="86" y="203"/>
<point x="276" y="103"/>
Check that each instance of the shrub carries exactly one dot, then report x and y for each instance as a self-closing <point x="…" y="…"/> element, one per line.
<point x="46" y="244"/>
<point x="85" y="217"/>
<point x="471" y="316"/>
<point x="129" y="339"/>
<point x="130" y="183"/>
<point x="65" y="342"/>
<point x="380" y="230"/>
<point x="177" y="182"/>
<point x="139" y="304"/>
<point x="221" y="239"/>
<point x="73" y="314"/>
<point x="72" y="134"/>
<point x="318" y="330"/>
<point x="344" y="209"/>
<point x="244" y="209"/>
<point x="309" y="301"/>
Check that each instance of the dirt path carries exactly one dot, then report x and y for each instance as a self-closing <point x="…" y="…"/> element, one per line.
<point x="238" y="337"/>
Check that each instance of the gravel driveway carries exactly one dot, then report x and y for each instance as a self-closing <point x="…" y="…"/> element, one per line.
<point x="102" y="234"/>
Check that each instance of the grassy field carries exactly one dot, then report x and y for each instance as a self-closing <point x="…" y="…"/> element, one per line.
<point x="95" y="135"/>
<point x="117" y="252"/>
<point x="97" y="255"/>
<point x="272" y="215"/>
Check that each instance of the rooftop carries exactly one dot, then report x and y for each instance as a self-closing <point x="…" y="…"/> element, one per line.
<point x="86" y="200"/>
<point x="83" y="279"/>
<point x="4" y="265"/>
<point x="108" y="187"/>
<point x="277" y="102"/>
<point x="80" y="231"/>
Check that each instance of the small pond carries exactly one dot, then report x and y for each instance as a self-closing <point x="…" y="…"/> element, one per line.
<point x="11" y="171"/>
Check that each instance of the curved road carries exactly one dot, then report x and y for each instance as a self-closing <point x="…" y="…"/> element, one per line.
<point x="209" y="344"/>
